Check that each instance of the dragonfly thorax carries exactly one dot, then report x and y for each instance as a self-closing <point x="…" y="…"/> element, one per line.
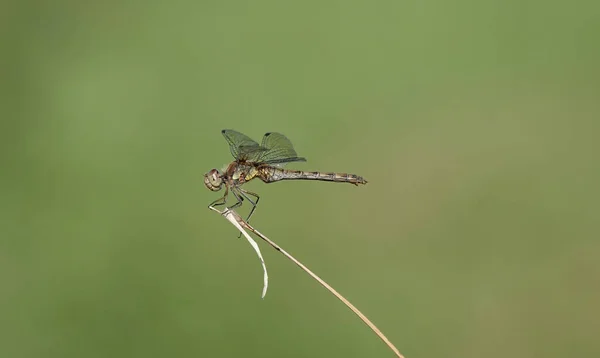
<point x="213" y="180"/>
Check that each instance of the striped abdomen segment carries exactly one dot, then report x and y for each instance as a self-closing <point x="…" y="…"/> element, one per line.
<point x="271" y="174"/>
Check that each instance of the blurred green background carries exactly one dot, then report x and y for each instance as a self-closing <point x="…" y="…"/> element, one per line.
<point x="476" y="124"/>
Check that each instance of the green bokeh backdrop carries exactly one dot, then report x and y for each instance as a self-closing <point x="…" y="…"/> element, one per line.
<point x="476" y="124"/>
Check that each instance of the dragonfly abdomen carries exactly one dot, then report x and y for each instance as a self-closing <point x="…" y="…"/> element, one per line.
<point x="271" y="174"/>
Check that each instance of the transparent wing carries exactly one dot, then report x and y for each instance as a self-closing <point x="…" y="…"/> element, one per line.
<point x="241" y="146"/>
<point x="276" y="149"/>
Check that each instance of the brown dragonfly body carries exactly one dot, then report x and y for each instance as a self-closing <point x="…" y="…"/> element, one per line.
<point x="265" y="162"/>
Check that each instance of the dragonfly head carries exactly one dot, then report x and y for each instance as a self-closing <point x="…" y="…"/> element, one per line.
<point x="213" y="180"/>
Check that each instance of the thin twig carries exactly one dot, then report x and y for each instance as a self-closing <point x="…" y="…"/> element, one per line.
<point x="230" y="214"/>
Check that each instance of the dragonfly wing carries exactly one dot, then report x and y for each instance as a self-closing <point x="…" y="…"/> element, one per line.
<point x="242" y="146"/>
<point x="278" y="150"/>
<point x="284" y="161"/>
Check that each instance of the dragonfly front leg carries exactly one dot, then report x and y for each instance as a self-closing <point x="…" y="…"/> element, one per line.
<point x="220" y="201"/>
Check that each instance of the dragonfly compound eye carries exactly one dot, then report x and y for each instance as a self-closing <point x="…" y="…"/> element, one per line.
<point x="212" y="180"/>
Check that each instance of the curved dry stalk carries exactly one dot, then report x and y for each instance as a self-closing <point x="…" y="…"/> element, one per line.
<point x="234" y="218"/>
<point x="240" y="224"/>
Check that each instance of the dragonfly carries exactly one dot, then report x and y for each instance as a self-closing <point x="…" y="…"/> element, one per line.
<point x="264" y="161"/>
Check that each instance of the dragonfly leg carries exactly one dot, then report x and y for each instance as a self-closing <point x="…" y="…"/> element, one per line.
<point x="240" y="200"/>
<point x="254" y="203"/>
<point x="221" y="201"/>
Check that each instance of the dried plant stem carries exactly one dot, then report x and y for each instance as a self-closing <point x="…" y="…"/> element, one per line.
<point x="233" y="216"/>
